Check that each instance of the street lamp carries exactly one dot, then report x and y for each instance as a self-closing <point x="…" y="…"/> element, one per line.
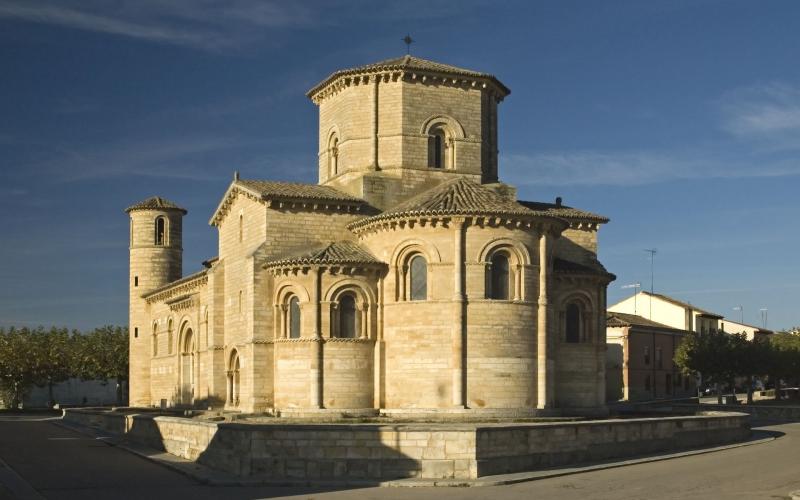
<point x="636" y="286"/>
<point x="763" y="312"/>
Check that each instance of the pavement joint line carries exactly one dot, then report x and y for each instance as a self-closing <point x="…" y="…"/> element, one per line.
<point x="211" y="477"/>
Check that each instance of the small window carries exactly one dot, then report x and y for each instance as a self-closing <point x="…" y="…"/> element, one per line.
<point x="135" y="281"/>
<point x="419" y="278"/>
<point x="240" y="302"/>
<point x="155" y="340"/>
<point x="646" y="355"/>
<point x="161" y="231"/>
<point x="437" y="148"/>
<point x="136" y="333"/>
<point x="347" y="316"/>
<point x="241" y="227"/>
<point x="659" y="362"/>
<point x="647" y="383"/>
<point x="333" y="155"/>
<point x="573" y="323"/>
<point x="294" y="318"/>
<point x="500" y="277"/>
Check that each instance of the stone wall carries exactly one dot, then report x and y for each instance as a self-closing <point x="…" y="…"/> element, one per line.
<point x="380" y="451"/>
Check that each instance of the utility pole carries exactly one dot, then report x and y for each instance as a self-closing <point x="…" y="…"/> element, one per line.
<point x="636" y="286"/>
<point x="652" y="252"/>
<point x="763" y="312"/>
<point x="741" y="313"/>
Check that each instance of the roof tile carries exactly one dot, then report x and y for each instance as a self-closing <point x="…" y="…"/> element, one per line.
<point x="155" y="203"/>
<point x="338" y="252"/>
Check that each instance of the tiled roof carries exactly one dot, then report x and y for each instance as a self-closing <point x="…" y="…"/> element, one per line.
<point x="564" y="211"/>
<point x="569" y="267"/>
<point x="296" y="191"/>
<point x="625" y="319"/>
<point x="408" y="63"/>
<point x="683" y="304"/>
<point x="155" y="203"/>
<point x="338" y="252"/>
<point x="458" y="196"/>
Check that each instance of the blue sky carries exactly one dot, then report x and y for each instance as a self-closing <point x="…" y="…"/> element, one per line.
<point x="680" y="120"/>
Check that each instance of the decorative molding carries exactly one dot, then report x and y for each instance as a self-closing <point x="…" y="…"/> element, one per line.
<point x="279" y="202"/>
<point x="180" y="287"/>
<point x="182" y="303"/>
<point x="421" y="76"/>
<point x="533" y="223"/>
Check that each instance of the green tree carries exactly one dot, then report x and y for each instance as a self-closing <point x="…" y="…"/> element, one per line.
<point x="102" y="354"/>
<point x="785" y="358"/>
<point x="711" y="354"/>
<point x="18" y="363"/>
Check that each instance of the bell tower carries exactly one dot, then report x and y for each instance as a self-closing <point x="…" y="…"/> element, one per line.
<point x="156" y="258"/>
<point x="391" y="129"/>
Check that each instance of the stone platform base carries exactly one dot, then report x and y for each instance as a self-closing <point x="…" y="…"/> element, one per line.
<point x="451" y="450"/>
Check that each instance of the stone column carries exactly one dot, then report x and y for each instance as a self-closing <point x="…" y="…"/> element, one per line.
<point x="543" y="371"/>
<point x="316" y="356"/>
<point x="378" y="350"/>
<point x="459" y="369"/>
<point x="375" y="84"/>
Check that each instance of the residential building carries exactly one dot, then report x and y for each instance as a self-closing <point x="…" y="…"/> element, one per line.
<point x="639" y="360"/>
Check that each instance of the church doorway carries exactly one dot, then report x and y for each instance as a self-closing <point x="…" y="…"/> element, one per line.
<point x="187" y="368"/>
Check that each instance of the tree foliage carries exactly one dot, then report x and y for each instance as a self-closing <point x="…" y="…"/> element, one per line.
<point x="42" y="357"/>
<point x="721" y="357"/>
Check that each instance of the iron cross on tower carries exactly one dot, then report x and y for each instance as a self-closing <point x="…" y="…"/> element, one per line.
<point x="408" y="41"/>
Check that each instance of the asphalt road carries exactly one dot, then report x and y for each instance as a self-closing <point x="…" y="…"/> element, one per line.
<point x="42" y="460"/>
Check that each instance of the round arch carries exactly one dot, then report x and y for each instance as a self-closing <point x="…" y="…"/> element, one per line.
<point x="451" y="126"/>
<point x="516" y="249"/>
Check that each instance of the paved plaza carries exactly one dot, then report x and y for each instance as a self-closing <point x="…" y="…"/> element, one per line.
<point x="39" y="459"/>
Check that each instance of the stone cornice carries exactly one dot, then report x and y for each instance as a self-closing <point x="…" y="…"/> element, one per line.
<point x="325" y="340"/>
<point x="337" y="83"/>
<point x="182" y="286"/>
<point x="182" y="303"/>
<point x="278" y="202"/>
<point x="538" y="223"/>
<point x="360" y="268"/>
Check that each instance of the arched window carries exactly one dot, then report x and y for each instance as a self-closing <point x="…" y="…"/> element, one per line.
<point x="333" y="155"/>
<point x="418" y="280"/>
<point x="347" y="316"/>
<point x="573" y="323"/>
<point x="294" y="318"/>
<point x="161" y="231"/>
<point x="437" y="148"/>
<point x="500" y="277"/>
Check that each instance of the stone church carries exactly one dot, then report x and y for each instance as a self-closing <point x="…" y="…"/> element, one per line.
<point x="409" y="278"/>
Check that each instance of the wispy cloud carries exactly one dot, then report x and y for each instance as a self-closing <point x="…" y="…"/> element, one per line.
<point x="203" y="24"/>
<point x="198" y="157"/>
<point x="622" y="168"/>
<point x="768" y="114"/>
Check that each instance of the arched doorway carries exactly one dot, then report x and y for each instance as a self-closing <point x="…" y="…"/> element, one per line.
<point x="187" y="367"/>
